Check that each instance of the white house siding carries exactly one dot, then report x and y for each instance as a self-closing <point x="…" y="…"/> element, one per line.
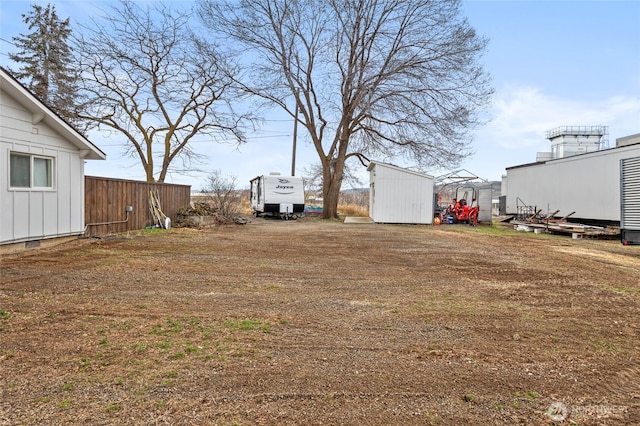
<point x="400" y="196"/>
<point x="37" y="214"/>
<point x="587" y="184"/>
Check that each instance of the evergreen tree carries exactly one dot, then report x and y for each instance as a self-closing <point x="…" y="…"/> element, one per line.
<point x="44" y="59"/>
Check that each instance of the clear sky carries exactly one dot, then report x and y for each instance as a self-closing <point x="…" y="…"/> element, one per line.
<point x="553" y="63"/>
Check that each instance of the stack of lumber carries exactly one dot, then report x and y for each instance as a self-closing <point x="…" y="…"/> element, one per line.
<point x="160" y="220"/>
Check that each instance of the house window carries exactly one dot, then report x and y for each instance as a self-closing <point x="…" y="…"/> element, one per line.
<point x="30" y="171"/>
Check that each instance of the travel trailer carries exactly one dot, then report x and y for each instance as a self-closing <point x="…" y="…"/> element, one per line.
<point x="275" y="195"/>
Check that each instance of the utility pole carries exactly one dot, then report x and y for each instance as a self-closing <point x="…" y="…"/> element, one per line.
<point x="295" y="138"/>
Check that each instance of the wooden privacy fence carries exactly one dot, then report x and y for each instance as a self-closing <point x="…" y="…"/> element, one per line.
<point x="106" y="201"/>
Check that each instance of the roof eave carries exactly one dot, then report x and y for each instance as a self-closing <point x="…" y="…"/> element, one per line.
<point x="41" y="112"/>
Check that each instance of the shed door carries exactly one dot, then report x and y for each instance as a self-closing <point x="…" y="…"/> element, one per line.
<point x="630" y="193"/>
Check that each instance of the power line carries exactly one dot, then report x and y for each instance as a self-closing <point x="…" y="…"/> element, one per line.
<point x="7" y="41"/>
<point x="205" y="141"/>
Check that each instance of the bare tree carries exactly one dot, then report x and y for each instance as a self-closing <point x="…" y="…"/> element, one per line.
<point x="313" y="177"/>
<point x="222" y="194"/>
<point x="147" y="77"/>
<point x="387" y="78"/>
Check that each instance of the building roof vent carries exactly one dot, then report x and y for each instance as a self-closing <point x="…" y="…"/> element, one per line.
<point x="567" y="141"/>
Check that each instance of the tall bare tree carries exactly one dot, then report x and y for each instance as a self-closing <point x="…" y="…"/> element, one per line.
<point x="390" y="78"/>
<point x="147" y="77"/>
<point x="44" y="59"/>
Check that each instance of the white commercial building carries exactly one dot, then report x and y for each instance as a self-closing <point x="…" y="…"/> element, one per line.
<point x="585" y="184"/>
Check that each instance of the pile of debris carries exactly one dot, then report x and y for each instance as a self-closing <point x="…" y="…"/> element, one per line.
<point x="549" y="223"/>
<point x="201" y="215"/>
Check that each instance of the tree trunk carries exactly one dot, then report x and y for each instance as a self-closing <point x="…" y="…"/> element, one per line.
<point x="333" y="172"/>
<point x="330" y="202"/>
<point x="148" y="166"/>
<point x="149" y="171"/>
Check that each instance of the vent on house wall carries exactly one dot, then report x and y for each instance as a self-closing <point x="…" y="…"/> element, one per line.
<point x="32" y="244"/>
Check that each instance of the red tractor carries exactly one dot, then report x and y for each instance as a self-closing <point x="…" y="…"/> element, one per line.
<point x="461" y="212"/>
<point x="465" y="213"/>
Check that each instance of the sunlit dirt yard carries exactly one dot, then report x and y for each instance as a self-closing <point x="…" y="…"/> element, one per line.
<point x="320" y="322"/>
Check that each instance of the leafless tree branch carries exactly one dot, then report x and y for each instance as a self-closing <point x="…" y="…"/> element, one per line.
<point x="148" y="77"/>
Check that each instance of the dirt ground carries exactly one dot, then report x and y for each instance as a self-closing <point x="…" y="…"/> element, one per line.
<point x="320" y="322"/>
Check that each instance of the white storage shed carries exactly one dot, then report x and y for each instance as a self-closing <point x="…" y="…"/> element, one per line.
<point x="41" y="169"/>
<point x="399" y="195"/>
